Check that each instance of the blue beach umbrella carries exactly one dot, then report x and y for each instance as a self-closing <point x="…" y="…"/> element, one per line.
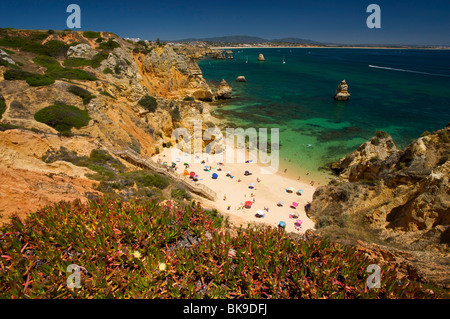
<point x="214" y="176"/>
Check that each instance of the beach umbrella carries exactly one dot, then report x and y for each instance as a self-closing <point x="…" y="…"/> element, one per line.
<point x="298" y="223"/>
<point x="192" y="174"/>
<point x="280" y="204"/>
<point x="228" y="173"/>
<point x="186" y="173"/>
<point x="294" y="204"/>
<point x="251" y="185"/>
<point x="196" y="178"/>
<point x="248" y="204"/>
<point x="247" y="173"/>
<point x="290" y="189"/>
<point x="300" y="191"/>
<point x="260" y="213"/>
<point x="282" y="224"/>
<point x="215" y="175"/>
<point x="174" y="164"/>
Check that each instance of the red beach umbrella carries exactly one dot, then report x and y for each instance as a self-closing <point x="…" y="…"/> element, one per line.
<point x="248" y="204"/>
<point x="192" y="174"/>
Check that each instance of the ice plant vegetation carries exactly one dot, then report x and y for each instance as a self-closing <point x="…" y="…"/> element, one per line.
<point x="146" y="249"/>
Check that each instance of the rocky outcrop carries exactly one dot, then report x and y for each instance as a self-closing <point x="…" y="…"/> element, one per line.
<point x="241" y="78"/>
<point x="218" y="55"/>
<point x="261" y="57"/>
<point x="224" y="90"/>
<point x="229" y="54"/>
<point x="402" y="196"/>
<point x="6" y="57"/>
<point x="342" y="92"/>
<point x="81" y="50"/>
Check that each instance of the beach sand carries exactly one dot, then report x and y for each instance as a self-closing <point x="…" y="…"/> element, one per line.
<point x="268" y="192"/>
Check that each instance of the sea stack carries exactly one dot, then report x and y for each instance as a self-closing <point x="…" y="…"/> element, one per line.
<point x="241" y="78"/>
<point x="261" y="57"/>
<point x="224" y="90"/>
<point x="342" y="92"/>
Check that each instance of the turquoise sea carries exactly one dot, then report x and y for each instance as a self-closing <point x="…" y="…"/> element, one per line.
<point x="401" y="91"/>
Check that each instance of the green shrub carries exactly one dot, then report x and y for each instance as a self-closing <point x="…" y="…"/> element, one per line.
<point x="443" y="137"/>
<point x="189" y="99"/>
<point x="108" y="45"/>
<point x="40" y="80"/>
<point x="375" y="141"/>
<point x="63" y="117"/>
<point x="107" y="71"/>
<point x="180" y="193"/>
<point x="2" y="107"/>
<point x="426" y="133"/>
<point x="55" y="70"/>
<point x="148" y="102"/>
<point x="77" y="62"/>
<point x="381" y="134"/>
<point x="91" y="34"/>
<point x="12" y="75"/>
<point x="106" y="94"/>
<point x="99" y="40"/>
<point x="84" y="94"/>
<point x="175" y="113"/>
<point x="98" y="58"/>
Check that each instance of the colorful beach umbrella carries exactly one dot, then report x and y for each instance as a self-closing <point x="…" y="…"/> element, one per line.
<point x="282" y="224"/>
<point x="186" y="173"/>
<point x="214" y="176"/>
<point x="280" y="204"/>
<point x="248" y="204"/>
<point x="251" y="185"/>
<point x="294" y="204"/>
<point x="290" y="189"/>
<point x="192" y="174"/>
<point x="300" y="191"/>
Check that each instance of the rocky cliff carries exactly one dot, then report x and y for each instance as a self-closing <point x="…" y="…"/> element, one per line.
<point x="394" y="198"/>
<point x="133" y="95"/>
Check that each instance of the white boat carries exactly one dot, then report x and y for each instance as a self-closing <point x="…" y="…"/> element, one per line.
<point x="247" y="59"/>
<point x="284" y="61"/>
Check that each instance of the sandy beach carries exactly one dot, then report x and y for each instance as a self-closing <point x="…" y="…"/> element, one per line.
<point x="235" y="190"/>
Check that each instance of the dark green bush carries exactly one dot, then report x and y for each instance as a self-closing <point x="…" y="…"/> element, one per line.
<point x="84" y="94"/>
<point x="381" y="134"/>
<point x="2" y="106"/>
<point x="107" y="71"/>
<point x="175" y="113"/>
<point x="12" y="75"/>
<point x="98" y="40"/>
<point x="443" y="136"/>
<point x="91" y="34"/>
<point x="98" y="58"/>
<point x="148" y="102"/>
<point x="63" y="117"/>
<point x="77" y="62"/>
<point x="375" y="141"/>
<point x="40" y="80"/>
<point x="108" y="45"/>
<point x="55" y="70"/>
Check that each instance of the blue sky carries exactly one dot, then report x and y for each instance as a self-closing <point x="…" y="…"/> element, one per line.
<point x="338" y="21"/>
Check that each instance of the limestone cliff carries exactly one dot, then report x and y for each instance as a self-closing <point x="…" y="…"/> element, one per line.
<point x="108" y="77"/>
<point x="396" y="198"/>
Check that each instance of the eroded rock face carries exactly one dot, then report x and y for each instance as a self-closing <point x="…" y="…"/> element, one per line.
<point x="224" y="90"/>
<point x="261" y="57"/>
<point x="403" y="195"/>
<point x="6" y="57"/>
<point x="81" y="50"/>
<point x="342" y="92"/>
<point x="241" y="78"/>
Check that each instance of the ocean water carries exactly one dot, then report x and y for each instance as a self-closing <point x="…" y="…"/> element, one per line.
<point x="403" y="92"/>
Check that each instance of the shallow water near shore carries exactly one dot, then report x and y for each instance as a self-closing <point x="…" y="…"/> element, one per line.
<point x="402" y="92"/>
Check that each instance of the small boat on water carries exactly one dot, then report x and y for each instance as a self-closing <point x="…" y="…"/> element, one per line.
<point x="247" y="59"/>
<point x="284" y="61"/>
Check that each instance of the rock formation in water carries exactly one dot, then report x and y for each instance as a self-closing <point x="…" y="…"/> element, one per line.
<point x="241" y="78"/>
<point x="224" y="90"/>
<point x="261" y="57"/>
<point x="342" y="92"/>
<point x="398" y="198"/>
